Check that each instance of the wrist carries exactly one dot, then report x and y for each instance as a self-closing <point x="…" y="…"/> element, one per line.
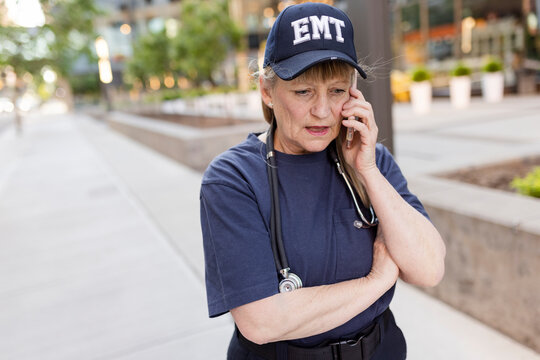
<point x="367" y="173"/>
<point x="380" y="282"/>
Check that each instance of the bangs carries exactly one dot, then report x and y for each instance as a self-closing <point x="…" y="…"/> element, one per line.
<point x="328" y="70"/>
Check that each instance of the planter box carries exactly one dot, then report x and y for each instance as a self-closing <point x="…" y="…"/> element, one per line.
<point x="191" y="146"/>
<point x="421" y="97"/>
<point x="460" y="91"/>
<point x="493" y="254"/>
<point x="493" y="87"/>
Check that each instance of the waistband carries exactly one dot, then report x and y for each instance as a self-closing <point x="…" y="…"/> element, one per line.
<point x="361" y="347"/>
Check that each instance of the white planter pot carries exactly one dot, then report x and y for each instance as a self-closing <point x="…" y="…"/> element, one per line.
<point x="421" y="97"/>
<point x="460" y="91"/>
<point x="493" y="86"/>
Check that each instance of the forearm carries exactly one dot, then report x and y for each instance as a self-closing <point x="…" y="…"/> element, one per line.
<point x="412" y="241"/>
<point x="308" y="311"/>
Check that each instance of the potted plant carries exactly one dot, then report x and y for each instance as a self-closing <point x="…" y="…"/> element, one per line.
<point x="493" y="81"/>
<point x="460" y="86"/>
<point x="421" y="90"/>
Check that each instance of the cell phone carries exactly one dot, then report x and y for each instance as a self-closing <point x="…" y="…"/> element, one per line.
<point x="350" y="131"/>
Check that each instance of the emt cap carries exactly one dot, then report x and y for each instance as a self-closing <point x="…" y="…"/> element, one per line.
<point x="306" y="34"/>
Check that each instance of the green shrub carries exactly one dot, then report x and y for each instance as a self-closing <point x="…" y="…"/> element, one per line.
<point x="85" y="84"/>
<point x="492" y="65"/>
<point x="171" y="94"/>
<point x="461" y="70"/>
<point x="420" y="74"/>
<point x="529" y="185"/>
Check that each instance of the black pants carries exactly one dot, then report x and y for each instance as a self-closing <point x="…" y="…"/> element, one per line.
<point x="392" y="347"/>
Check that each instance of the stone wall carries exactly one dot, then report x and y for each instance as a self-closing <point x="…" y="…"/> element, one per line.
<point x="493" y="254"/>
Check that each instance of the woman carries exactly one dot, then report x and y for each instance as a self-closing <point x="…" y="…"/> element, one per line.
<point x="280" y="200"/>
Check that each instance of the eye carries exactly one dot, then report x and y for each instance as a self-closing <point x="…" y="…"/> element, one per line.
<point x="301" y="92"/>
<point x="338" y="91"/>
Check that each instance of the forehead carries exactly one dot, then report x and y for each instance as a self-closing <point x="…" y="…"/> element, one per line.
<point x="316" y="80"/>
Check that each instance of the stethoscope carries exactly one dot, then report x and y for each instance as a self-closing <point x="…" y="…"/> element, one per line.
<point x="290" y="281"/>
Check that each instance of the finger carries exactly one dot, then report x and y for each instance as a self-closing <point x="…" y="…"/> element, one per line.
<point x="355" y="111"/>
<point x="367" y="136"/>
<point x="357" y="94"/>
<point x="363" y="115"/>
<point x="356" y="102"/>
<point x="358" y="126"/>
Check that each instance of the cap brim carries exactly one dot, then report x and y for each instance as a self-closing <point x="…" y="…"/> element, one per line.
<point x="290" y="68"/>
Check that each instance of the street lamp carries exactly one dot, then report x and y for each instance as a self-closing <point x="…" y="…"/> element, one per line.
<point x="104" y="67"/>
<point x="105" y="71"/>
<point x="467" y="26"/>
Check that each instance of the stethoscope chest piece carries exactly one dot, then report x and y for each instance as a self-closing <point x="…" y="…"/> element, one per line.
<point x="290" y="283"/>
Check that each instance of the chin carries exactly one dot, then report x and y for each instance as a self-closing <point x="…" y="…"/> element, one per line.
<point x="317" y="145"/>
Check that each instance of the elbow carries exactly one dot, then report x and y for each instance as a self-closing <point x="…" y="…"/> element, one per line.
<point x="439" y="272"/>
<point x="425" y="280"/>
<point x="426" y="277"/>
<point x="253" y="325"/>
<point x="259" y="321"/>
<point x="435" y="278"/>
<point x="436" y="274"/>
<point x="255" y="333"/>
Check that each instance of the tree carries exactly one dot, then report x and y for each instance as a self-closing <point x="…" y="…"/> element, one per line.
<point x="206" y="35"/>
<point x="152" y="56"/>
<point x="67" y="34"/>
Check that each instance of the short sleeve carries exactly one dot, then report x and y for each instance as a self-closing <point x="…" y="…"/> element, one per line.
<point x="239" y="265"/>
<point x="391" y="171"/>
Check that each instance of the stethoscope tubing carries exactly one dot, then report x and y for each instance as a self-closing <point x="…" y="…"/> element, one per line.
<point x="275" y="216"/>
<point x="290" y="280"/>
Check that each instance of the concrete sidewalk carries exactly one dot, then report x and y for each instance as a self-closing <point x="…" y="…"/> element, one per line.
<point x="101" y="256"/>
<point x="447" y="139"/>
<point x="86" y="273"/>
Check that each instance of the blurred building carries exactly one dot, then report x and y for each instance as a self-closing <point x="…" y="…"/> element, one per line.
<point x="431" y="32"/>
<point x="437" y="33"/>
<point x="124" y="20"/>
<point x="127" y="19"/>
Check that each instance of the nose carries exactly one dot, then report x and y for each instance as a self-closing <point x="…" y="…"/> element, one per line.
<point x="321" y="107"/>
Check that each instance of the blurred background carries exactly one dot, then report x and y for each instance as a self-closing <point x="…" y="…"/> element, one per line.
<point x="124" y="52"/>
<point x="110" y="111"/>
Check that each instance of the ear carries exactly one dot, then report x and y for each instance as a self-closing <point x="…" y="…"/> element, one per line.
<point x="265" y="92"/>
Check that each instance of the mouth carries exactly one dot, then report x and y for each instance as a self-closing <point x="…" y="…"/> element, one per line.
<point x="318" y="130"/>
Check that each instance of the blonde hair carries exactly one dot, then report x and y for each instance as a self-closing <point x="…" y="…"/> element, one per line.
<point x="320" y="72"/>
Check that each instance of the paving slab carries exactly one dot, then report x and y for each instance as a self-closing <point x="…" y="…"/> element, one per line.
<point x="168" y="190"/>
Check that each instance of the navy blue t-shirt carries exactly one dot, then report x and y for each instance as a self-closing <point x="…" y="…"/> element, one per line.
<point x="317" y="212"/>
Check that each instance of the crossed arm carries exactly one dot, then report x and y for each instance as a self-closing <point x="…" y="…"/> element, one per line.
<point x="410" y="247"/>
<point x="314" y="310"/>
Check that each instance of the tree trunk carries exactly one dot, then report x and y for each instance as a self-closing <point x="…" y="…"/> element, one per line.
<point x="424" y="28"/>
<point x="458" y="14"/>
<point x="68" y="97"/>
<point x="18" y="116"/>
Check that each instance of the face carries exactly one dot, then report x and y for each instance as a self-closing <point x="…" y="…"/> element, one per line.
<point x="308" y="113"/>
